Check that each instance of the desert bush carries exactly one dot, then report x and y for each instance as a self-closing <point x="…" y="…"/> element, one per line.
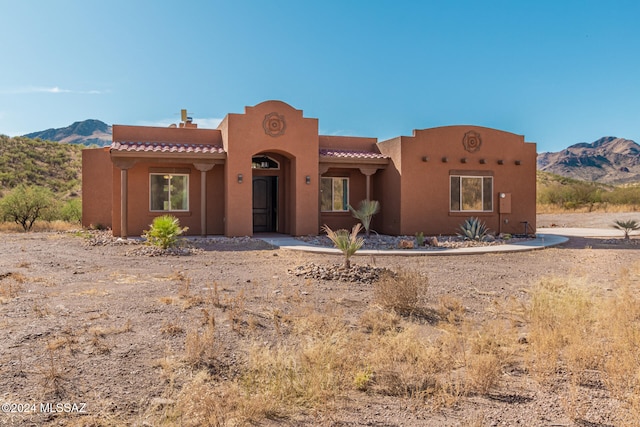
<point x="623" y="195"/>
<point x="347" y="242"/>
<point x="26" y="204"/>
<point x="366" y="210"/>
<point x="164" y="231"/>
<point x="71" y="211"/>
<point x="403" y="292"/>
<point x="570" y="194"/>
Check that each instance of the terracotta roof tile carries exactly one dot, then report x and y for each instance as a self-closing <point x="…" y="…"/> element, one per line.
<point x="351" y="154"/>
<point x="166" y="147"/>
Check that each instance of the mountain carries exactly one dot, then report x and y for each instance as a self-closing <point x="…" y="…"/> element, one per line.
<point x="87" y="132"/>
<point x="608" y="160"/>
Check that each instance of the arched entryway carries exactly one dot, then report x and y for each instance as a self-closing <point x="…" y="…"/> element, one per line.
<point x="271" y="173"/>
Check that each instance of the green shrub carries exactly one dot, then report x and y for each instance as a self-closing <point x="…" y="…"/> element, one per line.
<point x="164" y="231"/>
<point x="25" y="204"/>
<point x="365" y="212"/>
<point x="71" y="211"/>
<point x="626" y="226"/>
<point x="347" y="242"/>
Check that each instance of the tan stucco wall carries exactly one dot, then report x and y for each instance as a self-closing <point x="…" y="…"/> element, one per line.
<point x="424" y="188"/>
<point x="96" y="187"/>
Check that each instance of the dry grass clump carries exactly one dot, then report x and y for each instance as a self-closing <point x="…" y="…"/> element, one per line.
<point x="403" y="293"/>
<point x="39" y="226"/>
<point x="584" y="335"/>
<point x="11" y="284"/>
<point x="566" y="333"/>
<point x="200" y="347"/>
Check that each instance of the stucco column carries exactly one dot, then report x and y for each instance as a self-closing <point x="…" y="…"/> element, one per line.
<point x="203" y="168"/>
<point x="322" y="169"/>
<point x="367" y="172"/>
<point x="124" y="166"/>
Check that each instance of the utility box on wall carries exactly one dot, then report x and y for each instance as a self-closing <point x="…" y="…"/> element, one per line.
<point x="505" y="203"/>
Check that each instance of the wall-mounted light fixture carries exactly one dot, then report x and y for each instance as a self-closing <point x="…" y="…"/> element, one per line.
<point x="502" y="195"/>
<point x="501" y="162"/>
<point x="518" y="162"/>
<point x="239" y="178"/>
<point x="307" y="179"/>
<point x="483" y="161"/>
<point x="445" y="160"/>
<point x="425" y="158"/>
<point x="463" y="160"/>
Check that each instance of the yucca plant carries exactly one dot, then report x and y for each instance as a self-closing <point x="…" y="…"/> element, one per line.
<point x="626" y="226"/>
<point x="365" y="212"/>
<point x="473" y="229"/>
<point x="347" y="242"/>
<point x="164" y="231"/>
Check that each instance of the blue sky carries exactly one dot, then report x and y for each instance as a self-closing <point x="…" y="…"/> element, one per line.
<point x="559" y="72"/>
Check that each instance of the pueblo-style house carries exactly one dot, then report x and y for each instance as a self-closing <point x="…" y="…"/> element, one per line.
<point x="269" y="170"/>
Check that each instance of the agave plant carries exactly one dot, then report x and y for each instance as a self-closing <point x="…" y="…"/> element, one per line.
<point x="626" y="226"/>
<point x="365" y="212"/>
<point x="347" y="242"/>
<point x="473" y="229"/>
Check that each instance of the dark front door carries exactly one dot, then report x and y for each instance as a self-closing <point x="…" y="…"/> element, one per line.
<point x="265" y="202"/>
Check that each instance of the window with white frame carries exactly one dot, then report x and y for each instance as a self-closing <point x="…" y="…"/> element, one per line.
<point x="334" y="194"/>
<point x="471" y="193"/>
<point x="168" y="192"/>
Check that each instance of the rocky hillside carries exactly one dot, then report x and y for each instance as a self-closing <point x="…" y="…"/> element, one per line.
<point x="608" y="160"/>
<point x="87" y="132"/>
<point x="38" y="162"/>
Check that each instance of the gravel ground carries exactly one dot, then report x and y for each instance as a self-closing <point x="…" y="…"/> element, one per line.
<point x="82" y="320"/>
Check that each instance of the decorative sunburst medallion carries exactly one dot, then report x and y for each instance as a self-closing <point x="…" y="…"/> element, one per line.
<point x="471" y="141"/>
<point x="274" y="124"/>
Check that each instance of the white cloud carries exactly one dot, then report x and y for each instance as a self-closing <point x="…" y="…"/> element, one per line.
<point x="54" y="89"/>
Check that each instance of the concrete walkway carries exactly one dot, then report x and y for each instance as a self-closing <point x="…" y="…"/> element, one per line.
<point x="586" y="232"/>
<point x="540" y="242"/>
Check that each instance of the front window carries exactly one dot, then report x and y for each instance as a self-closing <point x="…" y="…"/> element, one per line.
<point x="169" y="192"/>
<point x="334" y="194"/>
<point x="471" y="193"/>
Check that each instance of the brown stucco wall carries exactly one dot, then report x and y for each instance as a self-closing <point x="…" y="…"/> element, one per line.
<point x="162" y="134"/>
<point x="244" y="136"/>
<point x="424" y="179"/>
<point x="96" y="187"/>
<point x="140" y="215"/>
<point x="357" y="193"/>
<point x="413" y="188"/>
<point x="347" y="143"/>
